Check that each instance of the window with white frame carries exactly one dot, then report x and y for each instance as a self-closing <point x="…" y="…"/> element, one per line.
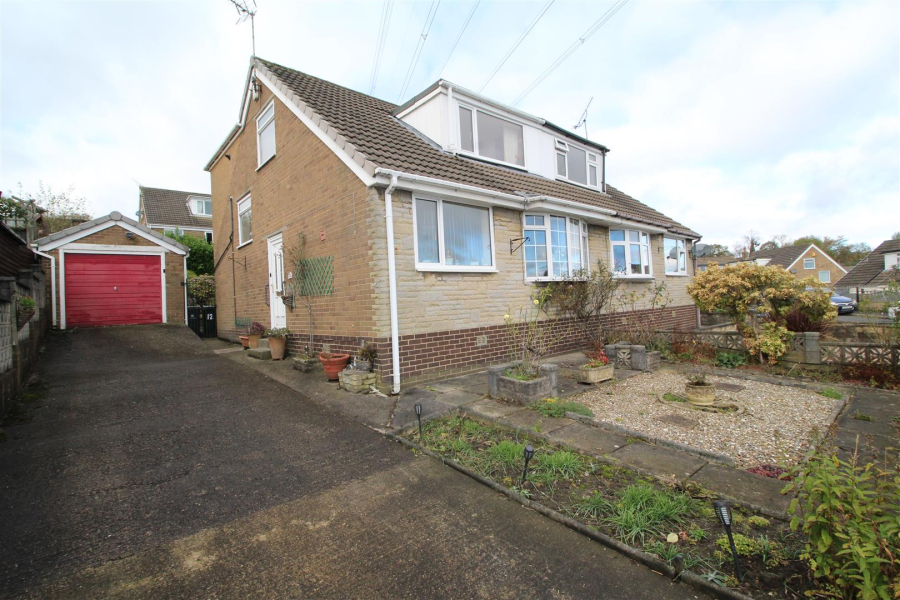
<point x="676" y="256"/>
<point x="265" y="134"/>
<point x="201" y="206"/>
<point x="809" y="263"/>
<point x="825" y="276"/>
<point x="555" y="246"/>
<point x="490" y="136"/>
<point x="630" y="253"/>
<point x="453" y="236"/>
<point x="576" y="164"/>
<point x="245" y="221"/>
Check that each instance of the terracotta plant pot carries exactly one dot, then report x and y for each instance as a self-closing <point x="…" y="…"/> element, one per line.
<point x="333" y="364"/>
<point x="276" y="345"/>
<point x="245" y="341"/>
<point x="253" y="340"/>
<point x="701" y="394"/>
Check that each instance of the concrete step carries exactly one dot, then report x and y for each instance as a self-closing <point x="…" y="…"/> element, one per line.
<point x="264" y="343"/>
<point x="260" y="353"/>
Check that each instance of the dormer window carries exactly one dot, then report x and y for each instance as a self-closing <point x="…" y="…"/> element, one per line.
<point x="576" y="164"/>
<point x="490" y="136"/>
<point x="200" y="206"/>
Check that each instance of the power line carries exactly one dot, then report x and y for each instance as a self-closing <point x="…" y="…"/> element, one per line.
<point x="387" y="10"/>
<point x="571" y="49"/>
<point x="459" y="37"/>
<point x="516" y="45"/>
<point x="423" y="37"/>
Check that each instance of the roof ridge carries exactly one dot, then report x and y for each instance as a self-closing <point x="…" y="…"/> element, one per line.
<point x="147" y="187"/>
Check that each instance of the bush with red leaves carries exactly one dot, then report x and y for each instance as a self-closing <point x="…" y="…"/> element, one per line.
<point x="772" y="471"/>
<point x="871" y="375"/>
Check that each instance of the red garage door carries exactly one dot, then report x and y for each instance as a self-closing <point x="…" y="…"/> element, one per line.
<point x="112" y="289"/>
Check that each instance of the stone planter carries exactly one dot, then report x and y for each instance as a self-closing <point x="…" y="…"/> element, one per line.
<point x="304" y="364"/>
<point x="356" y="381"/>
<point x="701" y="394"/>
<point x="522" y="392"/>
<point x="253" y="340"/>
<point x="361" y="365"/>
<point x="277" y="345"/>
<point x="588" y="374"/>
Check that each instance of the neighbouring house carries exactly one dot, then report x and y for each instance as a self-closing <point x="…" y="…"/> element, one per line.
<point x="703" y="257"/>
<point x="114" y="271"/>
<point x="23" y="217"/>
<point x="801" y="261"/>
<point x="873" y="273"/>
<point x="169" y="210"/>
<point x="418" y="227"/>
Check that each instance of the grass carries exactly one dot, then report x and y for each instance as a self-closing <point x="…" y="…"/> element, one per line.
<point x="552" y="407"/>
<point x="861" y="417"/>
<point x="561" y="464"/>
<point x="519" y="375"/>
<point x="830" y="393"/>
<point x="669" y="397"/>
<point x="642" y="510"/>
<point x="507" y="453"/>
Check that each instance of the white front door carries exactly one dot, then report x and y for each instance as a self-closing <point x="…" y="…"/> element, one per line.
<point x="276" y="281"/>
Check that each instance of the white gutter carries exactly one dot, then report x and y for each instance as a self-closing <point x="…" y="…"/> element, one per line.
<point x="52" y="282"/>
<point x="392" y="285"/>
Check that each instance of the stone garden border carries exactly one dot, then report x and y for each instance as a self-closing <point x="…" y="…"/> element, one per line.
<point x="654" y="563"/>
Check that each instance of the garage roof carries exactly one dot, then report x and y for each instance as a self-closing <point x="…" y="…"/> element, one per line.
<point x="74" y="231"/>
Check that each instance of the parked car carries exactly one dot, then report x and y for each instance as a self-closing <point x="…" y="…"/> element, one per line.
<point x="843" y="304"/>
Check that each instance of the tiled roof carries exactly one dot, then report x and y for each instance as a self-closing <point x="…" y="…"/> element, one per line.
<point x="113" y="216"/>
<point x="782" y="257"/>
<point x="372" y="135"/>
<point x="169" y="207"/>
<point x="870" y="270"/>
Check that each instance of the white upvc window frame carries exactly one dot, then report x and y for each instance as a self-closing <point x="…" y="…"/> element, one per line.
<point x="679" y="272"/>
<point x="475" y="153"/>
<point x="813" y="267"/>
<point x="627" y="243"/>
<point x="260" y="125"/>
<point x="195" y="202"/>
<point x="583" y="235"/>
<point x="243" y="205"/>
<point x="827" y="273"/>
<point x="591" y="160"/>
<point x="441" y="265"/>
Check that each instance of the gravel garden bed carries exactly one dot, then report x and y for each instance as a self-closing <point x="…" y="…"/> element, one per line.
<point x="774" y="424"/>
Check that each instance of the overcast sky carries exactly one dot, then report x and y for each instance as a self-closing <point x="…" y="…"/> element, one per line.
<point x="777" y="116"/>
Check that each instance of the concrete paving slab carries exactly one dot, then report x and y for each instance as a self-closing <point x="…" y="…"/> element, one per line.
<point x="878" y="425"/>
<point x="492" y="408"/>
<point x="459" y="397"/>
<point x="877" y="407"/>
<point x="660" y="461"/>
<point x="849" y="439"/>
<point x="745" y="486"/>
<point x="535" y="421"/>
<point x="589" y="439"/>
<point x="475" y="383"/>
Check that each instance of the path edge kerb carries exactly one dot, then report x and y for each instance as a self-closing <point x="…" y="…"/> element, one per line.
<point x="648" y="560"/>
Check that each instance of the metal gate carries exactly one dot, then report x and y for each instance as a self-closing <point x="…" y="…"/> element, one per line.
<point x="202" y="320"/>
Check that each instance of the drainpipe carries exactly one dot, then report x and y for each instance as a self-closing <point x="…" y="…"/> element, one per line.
<point x="233" y="274"/>
<point x="184" y="272"/>
<point x="392" y="285"/>
<point x="52" y="282"/>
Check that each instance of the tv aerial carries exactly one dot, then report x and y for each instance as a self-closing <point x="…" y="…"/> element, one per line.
<point x="582" y="122"/>
<point x="245" y="12"/>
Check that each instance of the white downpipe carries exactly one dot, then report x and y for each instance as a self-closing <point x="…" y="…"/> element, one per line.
<point x="52" y="282"/>
<point x="392" y="284"/>
<point x="184" y="273"/>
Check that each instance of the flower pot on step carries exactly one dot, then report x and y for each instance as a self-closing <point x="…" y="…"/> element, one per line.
<point x="245" y="341"/>
<point x="276" y="345"/>
<point x="333" y="364"/>
<point x="701" y="394"/>
<point x="588" y="374"/>
<point x="253" y="340"/>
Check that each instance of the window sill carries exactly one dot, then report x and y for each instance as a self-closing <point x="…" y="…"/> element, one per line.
<point x="268" y="160"/>
<point x="636" y="277"/>
<point x="677" y="275"/>
<point x="550" y="279"/>
<point x="242" y="244"/>
<point x="427" y="268"/>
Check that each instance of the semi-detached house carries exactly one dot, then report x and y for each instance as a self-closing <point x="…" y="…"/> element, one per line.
<point x="417" y="227"/>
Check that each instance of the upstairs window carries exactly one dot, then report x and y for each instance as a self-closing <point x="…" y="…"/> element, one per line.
<point x="825" y="276"/>
<point x="245" y="221"/>
<point x="265" y="134"/>
<point x="676" y="257"/>
<point x="201" y="206"/>
<point x="556" y="246"/>
<point x="809" y="263"/>
<point x="492" y="137"/>
<point x="630" y="252"/>
<point x="453" y="237"/>
<point x="575" y="164"/>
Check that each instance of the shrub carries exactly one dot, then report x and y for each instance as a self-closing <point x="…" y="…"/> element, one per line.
<point x="730" y="360"/>
<point x="200" y="260"/>
<point x="277" y="332"/>
<point x="201" y="290"/>
<point x="256" y="328"/>
<point x="871" y="375"/>
<point x="849" y="514"/>
<point x="27" y="303"/>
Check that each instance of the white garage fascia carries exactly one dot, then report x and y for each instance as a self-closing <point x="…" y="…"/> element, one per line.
<point x="75" y="236"/>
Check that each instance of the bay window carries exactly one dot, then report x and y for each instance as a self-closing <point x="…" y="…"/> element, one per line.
<point x="676" y="256"/>
<point x="630" y="253"/>
<point x="453" y="237"/>
<point x="491" y="137"/>
<point x="576" y="164"/>
<point x="555" y="246"/>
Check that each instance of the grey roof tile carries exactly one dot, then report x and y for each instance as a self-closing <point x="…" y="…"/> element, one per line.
<point x="169" y="207"/>
<point x="870" y="270"/>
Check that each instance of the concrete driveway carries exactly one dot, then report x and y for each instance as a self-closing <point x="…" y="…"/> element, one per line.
<point x="147" y="466"/>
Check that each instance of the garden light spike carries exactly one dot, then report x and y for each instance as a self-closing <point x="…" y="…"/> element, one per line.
<point x="418" y="408"/>
<point x="723" y="511"/>
<point x="528" y="453"/>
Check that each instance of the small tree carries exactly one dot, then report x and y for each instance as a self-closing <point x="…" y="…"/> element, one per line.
<point x="200" y="260"/>
<point x="531" y="333"/>
<point x="62" y="208"/>
<point x="655" y="296"/>
<point x="202" y="290"/>
<point x="758" y="299"/>
<point x="583" y="297"/>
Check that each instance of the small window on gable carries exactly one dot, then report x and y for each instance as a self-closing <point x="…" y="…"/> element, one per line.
<point x="809" y="263"/>
<point x="245" y="221"/>
<point x="265" y="134"/>
<point x="825" y="276"/>
<point x="201" y="206"/>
